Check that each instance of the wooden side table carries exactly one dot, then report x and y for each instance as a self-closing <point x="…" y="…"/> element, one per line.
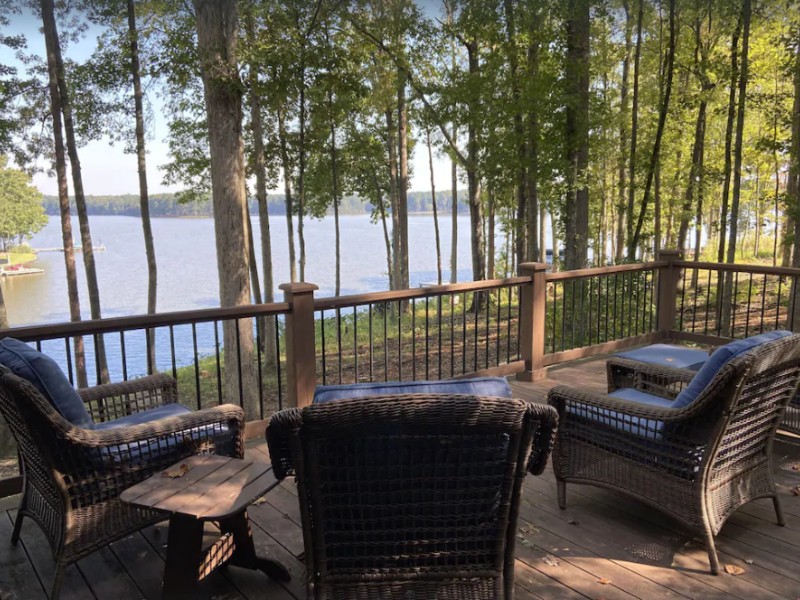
<point x="207" y="488"/>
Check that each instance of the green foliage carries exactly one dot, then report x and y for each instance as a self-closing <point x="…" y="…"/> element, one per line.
<point x="21" y="212"/>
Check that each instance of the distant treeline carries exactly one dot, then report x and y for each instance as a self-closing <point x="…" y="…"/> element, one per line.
<point x="167" y="205"/>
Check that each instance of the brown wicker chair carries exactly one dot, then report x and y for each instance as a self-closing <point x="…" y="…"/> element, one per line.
<point x="412" y="496"/>
<point x="698" y="463"/>
<point x="72" y="477"/>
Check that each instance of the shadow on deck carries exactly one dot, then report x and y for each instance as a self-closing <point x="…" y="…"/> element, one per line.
<point x="603" y="546"/>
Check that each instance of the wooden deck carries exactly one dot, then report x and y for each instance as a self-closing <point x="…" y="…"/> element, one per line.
<point x="603" y="546"/>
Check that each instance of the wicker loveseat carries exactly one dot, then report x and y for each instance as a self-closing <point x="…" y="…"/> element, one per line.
<point x="411" y="496"/>
<point x="693" y="449"/>
<point x="73" y="475"/>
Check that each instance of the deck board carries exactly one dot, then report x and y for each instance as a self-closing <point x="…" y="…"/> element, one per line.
<point x="601" y="537"/>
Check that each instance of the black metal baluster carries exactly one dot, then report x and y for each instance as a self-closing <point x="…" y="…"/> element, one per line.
<point x="452" y="335"/>
<point x="123" y="355"/>
<point x="499" y="318"/>
<point x="683" y="300"/>
<point x="197" y="365"/>
<point x="475" y="305"/>
<point x="70" y="374"/>
<point x="488" y="296"/>
<point x="508" y="325"/>
<point x="339" y="343"/>
<point x="413" y="339"/>
<point x="616" y="315"/>
<point x="778" y="307"/>
<point x="734" y="303"/>
<point x="463" y="332"/>
<point x="385" y="341"/>
<point x="259" y="366"/>
<point x="749" y="302"/>
<point x="355" y="344"/>
<point x="439" y="331"/>
<point x="763" y="303"/>
<point x="172" y="351"/>
<point x="371" y="354"/>
<point x="278" y="361"/>
<point x="400" y="340"/>
<point x="427" y="337"/>
<point x="324" y="347"/>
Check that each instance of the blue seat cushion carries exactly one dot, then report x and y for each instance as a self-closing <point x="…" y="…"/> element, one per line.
<point x="475" y="386"/>
<point x="666" y="355"/>
<point x="645" y="428"/>
<point x="718" y="359"/>
<point x="43" y="372"/>
<point x="145" y="416"/>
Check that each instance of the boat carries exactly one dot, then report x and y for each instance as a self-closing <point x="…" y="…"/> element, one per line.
<point x="11" y="270"/>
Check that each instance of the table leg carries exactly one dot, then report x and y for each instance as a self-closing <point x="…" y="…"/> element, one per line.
<point x="244" y="554"/>
<point x="184" y="556"/>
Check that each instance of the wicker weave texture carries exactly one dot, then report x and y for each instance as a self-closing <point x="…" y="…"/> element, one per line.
<point x="73" y="476"/>
<point x="411" y="496"/>
<point x="698" y="463"/>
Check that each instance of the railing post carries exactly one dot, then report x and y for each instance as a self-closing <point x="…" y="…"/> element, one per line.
<point x="532" y="320"/>
<point x="301" y="360"/>
<point x="668" y="279"/>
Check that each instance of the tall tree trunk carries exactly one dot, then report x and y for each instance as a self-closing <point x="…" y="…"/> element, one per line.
<point x="144" y="201"/>
<point x="694" y="173"/>
<point x="435" y="210"/>
<point x="776" y="171"/>
<point x="80" y="205"/>
<point x="542" y="232"/>
<point x="217" y="40"/>
<point x="473" y="180"/>
<point x="490" y="231"/>
<point x="382" y="210"/>
<point x="727" y="295"/>
<point x="53" y="49"/>
<point x="577" y="135"/>
<point x="533" y="223"/>
<point x="335" y="191"/>
<point x="623" y="136"/>
<point x="519" y="136"/>
<point x="454" y="217"/>
<point x="662" y="120"/>
<point x="402" y="187"/>
<point x="287" y="190"/>
<point x="793" y="181"/>
<point x="268" y="341"/>
<point x="726" y="183"/>
<point x="3" y="313"/>
<point x="393" y="200"/>
<point x="301" y="175"/>
<point x="634" y="131"/>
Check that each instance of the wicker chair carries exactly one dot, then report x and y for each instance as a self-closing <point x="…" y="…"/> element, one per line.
<point x="411" y="496"/>
<point x="698" y="463"/>
<point x="72" y="477"/>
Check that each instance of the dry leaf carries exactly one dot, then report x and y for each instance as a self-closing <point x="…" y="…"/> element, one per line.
<point x="182" y="470"/>
<point x="259" y="501"/>
<point x="734" y="570"/>
<point x="604" y="581"/>
<point x="749" y="561"/>
<point x="550" y="560"/>
<point x="527" y="543"/>
<point x="796" y="490"/>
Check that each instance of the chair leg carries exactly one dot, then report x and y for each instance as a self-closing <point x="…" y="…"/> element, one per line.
<point x="17" y="528"/>
<point x="561" y="488"/>
<point x="778" y="511"/>
<point x="712" y="552"/>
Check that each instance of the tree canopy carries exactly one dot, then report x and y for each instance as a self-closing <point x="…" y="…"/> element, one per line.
<point x="21" y="211"/>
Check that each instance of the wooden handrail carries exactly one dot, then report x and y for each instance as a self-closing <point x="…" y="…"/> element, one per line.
<point x="688" y="264"/>
<point x="610" y="270"/>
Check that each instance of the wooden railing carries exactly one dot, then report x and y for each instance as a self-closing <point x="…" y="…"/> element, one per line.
<point x="515" y="326"/>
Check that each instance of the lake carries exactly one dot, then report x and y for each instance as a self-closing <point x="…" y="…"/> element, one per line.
<point x="187" y="263"/>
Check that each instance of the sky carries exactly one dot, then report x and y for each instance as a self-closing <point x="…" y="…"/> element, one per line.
<point x="106" y="169"/>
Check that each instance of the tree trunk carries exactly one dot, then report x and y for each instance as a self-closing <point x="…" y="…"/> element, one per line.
<point x="144" y="201"/>
<point x="473" y="180"/>
<point x="268" y="341"/>
<point x="532" y="148"/>
<point x="577" y="135"/>
<point x="726" y="184"/>
<point x="435" y="211"/>
<point x="53" y="50"/>
<point x="490" y="241"/>
<point x="393" y="200"/>
<point x="335" y="191"/>
<point x="80" y="205"/>
<point x="287" y="190"/>
<point x="727" y="295"/>
<point x="402" y="187"/>
<point x="382" y="209"/>
<point x="793" y="182"/>
<point x="662" y="120"/>
<point x="301" y="175"/>
<point x="623" y="135"/>
<point x="694" y="173"/>
<point x="634" y="131"/>
<point x="454" y="217"/>
<point x="217" y="40"/>
<point x="542" y="232"/>
<point x="520" y="171"/>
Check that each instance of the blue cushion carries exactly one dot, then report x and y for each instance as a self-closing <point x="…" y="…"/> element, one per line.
<point x="476" y="386"/>
<point x="43" y="372"/>
<point x="633" y="395"/>
<point x="666" y="355"/>
<point x="719" y="358"/>
<point x="645" y="428"/>
<point x="145" y="416"/>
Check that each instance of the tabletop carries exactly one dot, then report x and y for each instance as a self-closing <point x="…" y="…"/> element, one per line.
<point x="206" y="487"/>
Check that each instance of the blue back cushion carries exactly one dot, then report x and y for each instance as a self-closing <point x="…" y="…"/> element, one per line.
<point x="476" y="386"/>
<point x="719" y="358"/>
<point x="43" y="372"/>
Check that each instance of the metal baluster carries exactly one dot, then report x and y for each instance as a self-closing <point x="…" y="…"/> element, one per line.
<point x="339" y="342"/>
<point x="172" y="351"/>
<point x="278" y="361"/>
<point x="197" y="365"/>
<point x="371" y="354"/>
<point x="763" y="303"/>
<point x="749" y="300"/>
<point x="355" y="343"/>
<point x="322" y="336"/>
<point x="413" y="339"/>
<point x="123" y="355"/>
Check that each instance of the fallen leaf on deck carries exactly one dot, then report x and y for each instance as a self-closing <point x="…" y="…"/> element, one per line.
<point x="604" y="581"/>
<point x="734" y="570"/>
<point x="182" y="470"/>
<point x="749" y="561"/>
<point x="259" y="501"/>
<point x="527" y="543"/>
<point x="796" y="490"/>
<point x="550" y="560"/>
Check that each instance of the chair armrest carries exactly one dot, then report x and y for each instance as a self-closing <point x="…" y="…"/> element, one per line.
<point x="101" y="464"/>
<point x="114" y="400"/>
<point x="666" y="382"/>
<point x="283" y="427"/>
<point x="546" y="420"/>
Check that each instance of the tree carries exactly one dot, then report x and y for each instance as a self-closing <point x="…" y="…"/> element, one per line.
<point x="217" y="23"/>
<point x="21" y="211"/>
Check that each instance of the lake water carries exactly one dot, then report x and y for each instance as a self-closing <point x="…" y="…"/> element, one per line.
<point x="187" y="263"/>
